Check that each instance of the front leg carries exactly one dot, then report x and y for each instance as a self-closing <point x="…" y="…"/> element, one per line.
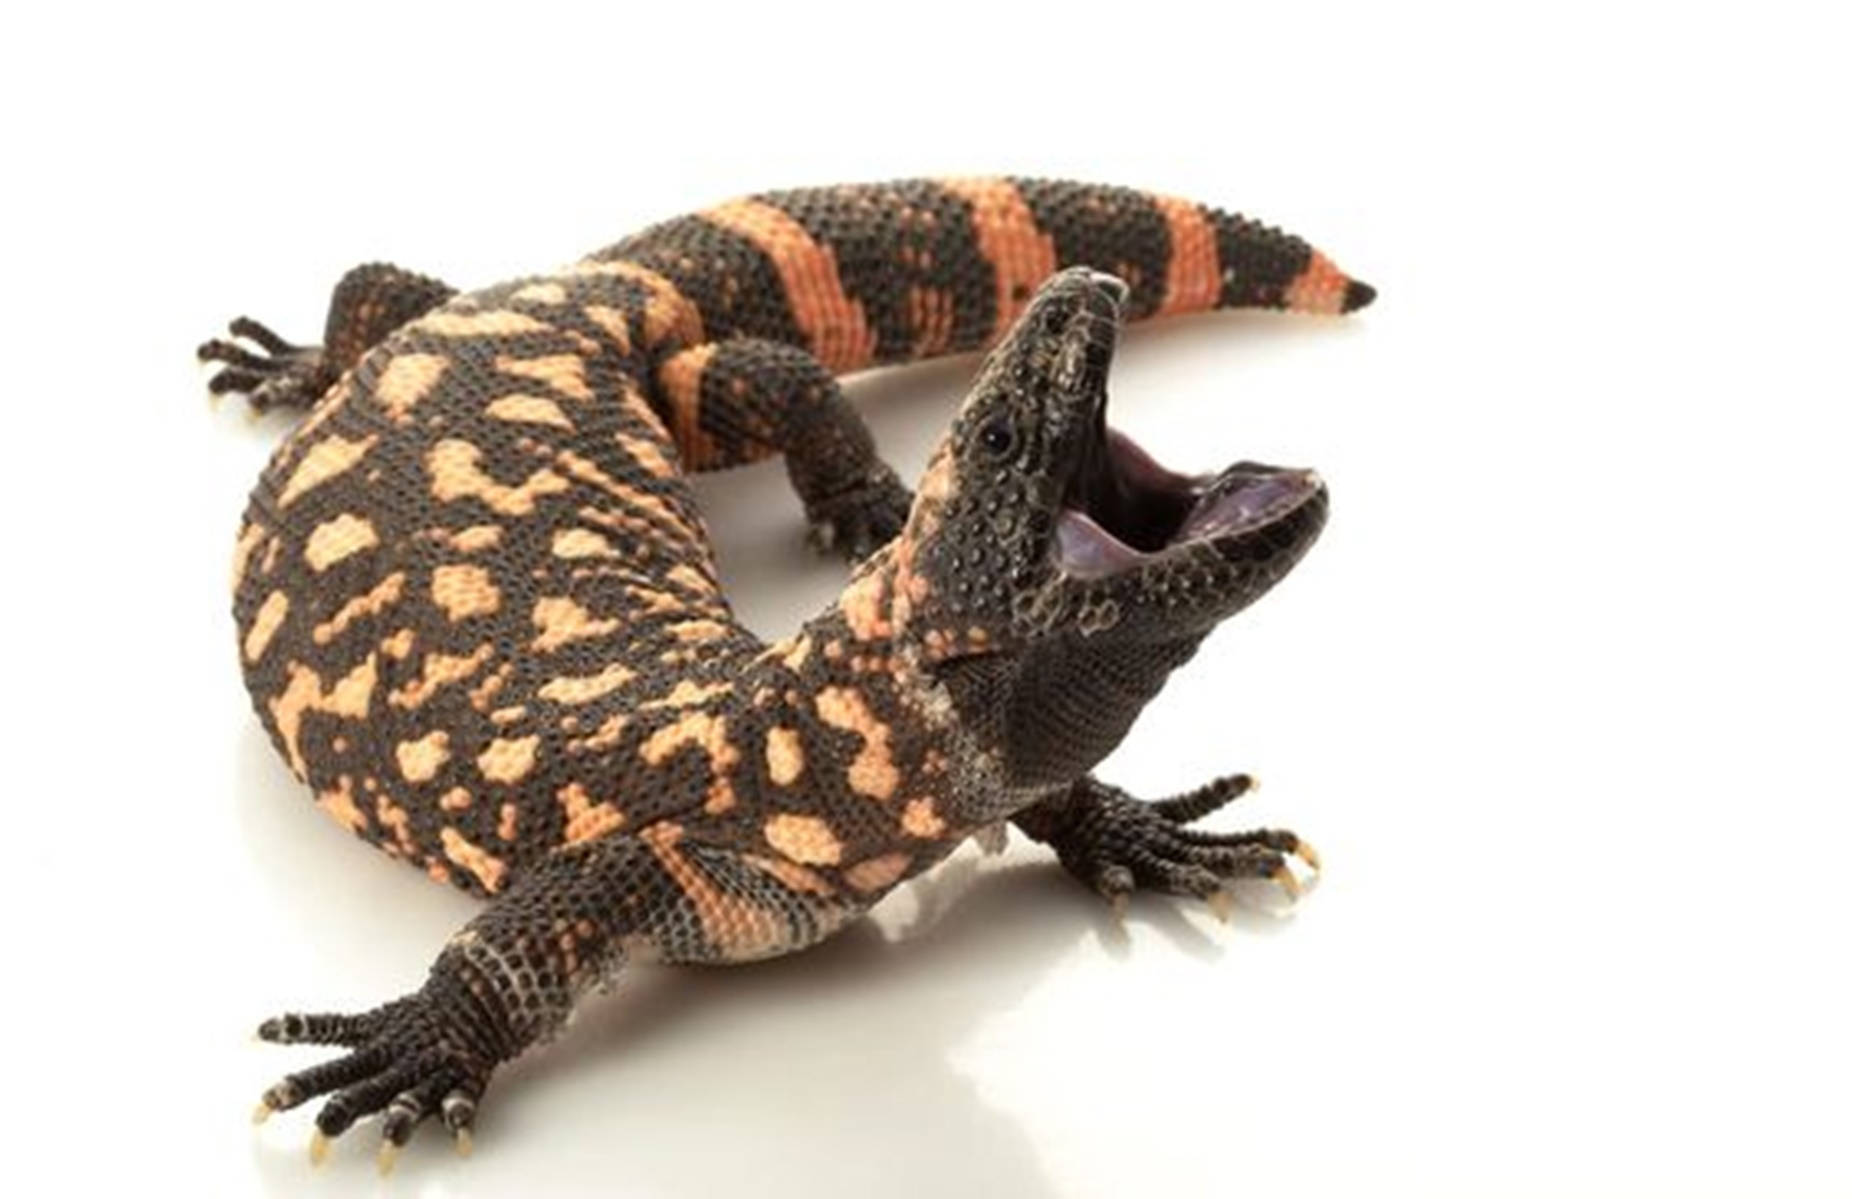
<point x="510" y="979"/>
<point x="1116" y="844"/>
<point x="740" y="400"/>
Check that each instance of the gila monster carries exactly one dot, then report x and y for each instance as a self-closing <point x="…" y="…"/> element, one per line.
<point x="478" y="613"/>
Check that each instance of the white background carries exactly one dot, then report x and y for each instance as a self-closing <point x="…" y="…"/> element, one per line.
<point x="1561" y="695"/>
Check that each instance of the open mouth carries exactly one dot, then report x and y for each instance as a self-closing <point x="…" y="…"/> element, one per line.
<point x="1122" y="508"/>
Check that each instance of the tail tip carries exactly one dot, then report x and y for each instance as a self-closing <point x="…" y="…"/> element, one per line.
<point x="1357" y="294"/>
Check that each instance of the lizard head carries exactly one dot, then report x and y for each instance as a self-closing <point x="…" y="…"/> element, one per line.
<point x="1052" y="573"/>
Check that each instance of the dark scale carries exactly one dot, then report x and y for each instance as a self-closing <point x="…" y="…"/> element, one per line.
<point x="479" y="615"/>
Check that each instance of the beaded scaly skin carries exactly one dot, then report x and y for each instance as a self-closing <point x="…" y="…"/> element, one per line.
<point x="478" y="613"/>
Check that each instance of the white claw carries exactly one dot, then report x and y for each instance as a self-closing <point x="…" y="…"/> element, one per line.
<point x="388" y="1157"/>
<point x="318" y="1147"/>
<point x="993" y="839"/>
<point x="1221" y="903"/>
<point x="466" y="1143"/>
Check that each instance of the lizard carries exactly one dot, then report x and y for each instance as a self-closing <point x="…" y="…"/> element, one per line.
<point x="478" y="612"/>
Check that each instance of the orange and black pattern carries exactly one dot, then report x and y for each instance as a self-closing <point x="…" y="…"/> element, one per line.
<point x="477" y="607"/>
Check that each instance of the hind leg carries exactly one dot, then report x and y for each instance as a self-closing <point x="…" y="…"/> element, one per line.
<point x="369" y="302"/>
<point x="740" y="400"/>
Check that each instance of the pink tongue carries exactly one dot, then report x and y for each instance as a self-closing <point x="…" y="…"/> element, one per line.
<point x="1087" y="551"/>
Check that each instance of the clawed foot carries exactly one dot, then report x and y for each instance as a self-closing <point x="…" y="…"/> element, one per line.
<point x="406" y="1060"/>
<point x="860" y="520"/>
<point x="282" y="376"/>
<point x="1117" y="844"/>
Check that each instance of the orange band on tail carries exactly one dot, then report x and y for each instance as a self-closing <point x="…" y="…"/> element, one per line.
<point x="836" y="326"/>
<point x="1020" y="254"/>
<point x="1193" y="280"/>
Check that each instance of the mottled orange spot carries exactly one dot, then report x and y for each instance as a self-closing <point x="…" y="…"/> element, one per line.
<point x="872" y="773"/>
<point x="351" y="696"/>
<point x="455" y="800"/>
<point x="337" y="538"/>
<point x="504" y="828"/>
<point x="564" y="374"/>
<point x="464" y="591"/>
<point x="440" y="669"/>
<point x="488" y="869"/>
<point x="476" y="538"/>
<point x="688" y="693"/>
<point x="784" y="755"/>
<point x="264" y="625"/>
<point x="615" y="324"/>
<point x="684" y="526"/>
<point x="399" y="645"/>
<point x="420" y="760"/>
<point x="406" y="381"/>
<point x="1021" y="255"/>
<point x="835" y="326"/>
<point x="498" y="323"/>
<point x="563" y="620"/>
<point x="587" y="818"/>
<point x="339" y="803"/>
<point x="384" y="595"/>
<point x="455" y="467"/>
<point x="707" y="732"/>
<point x="396" y="818"/>
<point x="877" y="874"/>
<point x="249" y="539"/>
<point x="698" y="631"/>
<point x="521" y="408"/>
<point x="864" y="606"/>
<point x="545" y="292"/>
<point x="325" y="460"/>
<point x="508" y="760"/>
<point x="603" y="737"/>
<point x="483" y="692"/>
<point x="808" y="840"/>
<point x="637" y="405"/>
<point x="1193" y="277"/>
<point x="793" y="652"/>
<point x="921" y="818"/>
<point x="648" y="455"/>
<point x="653" y="602"/>
<point x="580" y="543"/>
<point x="579" y="689"/>
<point x="801" y="879"/>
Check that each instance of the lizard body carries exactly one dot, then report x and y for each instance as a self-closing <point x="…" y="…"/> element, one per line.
<point x="478" y="612"/>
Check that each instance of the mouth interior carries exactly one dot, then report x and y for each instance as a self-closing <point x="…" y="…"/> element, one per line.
<point x="1122" y="507"/>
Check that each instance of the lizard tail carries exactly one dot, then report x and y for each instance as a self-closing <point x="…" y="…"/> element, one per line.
<point x="1176" y="255"/>
<point x="867" y="274"/>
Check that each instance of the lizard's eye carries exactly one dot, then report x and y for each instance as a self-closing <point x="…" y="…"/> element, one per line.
<point x="998" y="437"/>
